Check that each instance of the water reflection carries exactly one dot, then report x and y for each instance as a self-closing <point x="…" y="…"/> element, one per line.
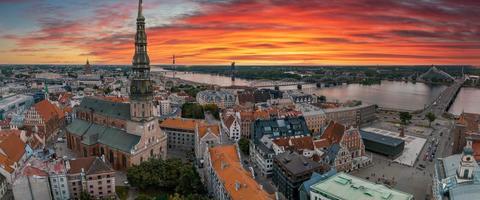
<point x="468" y="100"/>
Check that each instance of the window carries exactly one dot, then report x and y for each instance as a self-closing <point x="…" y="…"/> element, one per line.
<point x="99" y="177"/>
<point x="91" y="186"/>
<point x="99" y="182"/>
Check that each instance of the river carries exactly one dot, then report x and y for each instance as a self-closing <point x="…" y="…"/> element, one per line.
<point x="468" y="100"/>
<point x="388" y="94"/>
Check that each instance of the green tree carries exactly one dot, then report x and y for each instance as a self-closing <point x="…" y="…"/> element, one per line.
<point x="405" y="117"/>
<point x="169" y="176"/>
<point x="144" y="197"/>
<point x="193" y="110"/>
<point x="196" y="197"/>
<point x="243" y="145"/>
<point x="431" y="117"/>
<point x="107" y="90"/>
<point x="212" y="109"/>
<point x="85" y="196"/>
<point x="322" y="98"/>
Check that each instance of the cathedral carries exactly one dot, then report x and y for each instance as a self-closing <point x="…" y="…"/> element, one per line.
<point x="126" y="133"/>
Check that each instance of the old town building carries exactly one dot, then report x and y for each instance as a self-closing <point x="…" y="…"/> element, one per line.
<point x="231" y="125"/>
<point x="180" y="133"/>
<point x="44" y="119"/>
<point x="91" y="175"/>
<point x="344" y="147"/>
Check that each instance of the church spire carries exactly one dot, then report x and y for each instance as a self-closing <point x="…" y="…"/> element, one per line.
<point x="141" y="88"/>
<point x="140" y="9"/>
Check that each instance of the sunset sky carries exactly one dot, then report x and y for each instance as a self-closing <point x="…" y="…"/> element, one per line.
<point x="297" y="32"/>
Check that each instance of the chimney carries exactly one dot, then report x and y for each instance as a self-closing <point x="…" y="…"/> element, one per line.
<point x="224" y="165"/>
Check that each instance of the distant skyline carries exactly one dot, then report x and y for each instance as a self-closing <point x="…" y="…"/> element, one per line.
<point x="271" y="32"/>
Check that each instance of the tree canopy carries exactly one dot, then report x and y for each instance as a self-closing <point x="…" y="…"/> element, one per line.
<point x="192" y="110"/>
<point x="405" y="117"/>
<point x="431" y="117"/>
<point x="171" y="176"/>
<point x="243" y="145"/>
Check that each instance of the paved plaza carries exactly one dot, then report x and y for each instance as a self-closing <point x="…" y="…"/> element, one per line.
<point x="414" y="180"/>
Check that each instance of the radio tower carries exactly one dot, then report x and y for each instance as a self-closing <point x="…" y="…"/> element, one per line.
<point x="232" y="71"/>
<point x="174" y="66"/>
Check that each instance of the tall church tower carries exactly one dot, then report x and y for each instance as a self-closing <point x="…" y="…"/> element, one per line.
<point x="88" y="68"/>
<point x="141" y="91"/>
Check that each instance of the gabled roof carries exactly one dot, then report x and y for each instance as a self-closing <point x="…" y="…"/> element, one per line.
<point x="47" y="110"/>
<point x="321" y="143"/>
<point x="90" y="165"/>
<point x="228" y="120"/>
<point x="334" y="132"/>
<point x="295" y="143"/>
<point x="203" y="129"/>
<point x="105" y="107"/>
<point x="12" y="148"/>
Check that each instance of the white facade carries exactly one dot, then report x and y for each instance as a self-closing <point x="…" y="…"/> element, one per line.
<point x="222" y="99"/>
<point x="59" y="186"/>
<point x="232" y="128"/>
<point x="163" y="108"/>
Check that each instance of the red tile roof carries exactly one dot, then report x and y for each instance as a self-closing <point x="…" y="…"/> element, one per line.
<point x="295" y="143"/>
<point x="322" y="143"/>
<point x="12" y="149"/>
<point x="180" y="123"/>
<point x="236" y="180"/>
<point x="33" y="171"/>
<point x="203" y="128"/>
<point x="115" y="99"/>
<point x="79" y="163"/>
<point x="64" y="97"/>
<point x="48" y="110"/>
<point x="334" y="132"/>
<point x="476" y="150"/>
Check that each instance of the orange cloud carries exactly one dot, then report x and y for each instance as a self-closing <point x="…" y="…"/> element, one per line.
<point x="278" y="32"/>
